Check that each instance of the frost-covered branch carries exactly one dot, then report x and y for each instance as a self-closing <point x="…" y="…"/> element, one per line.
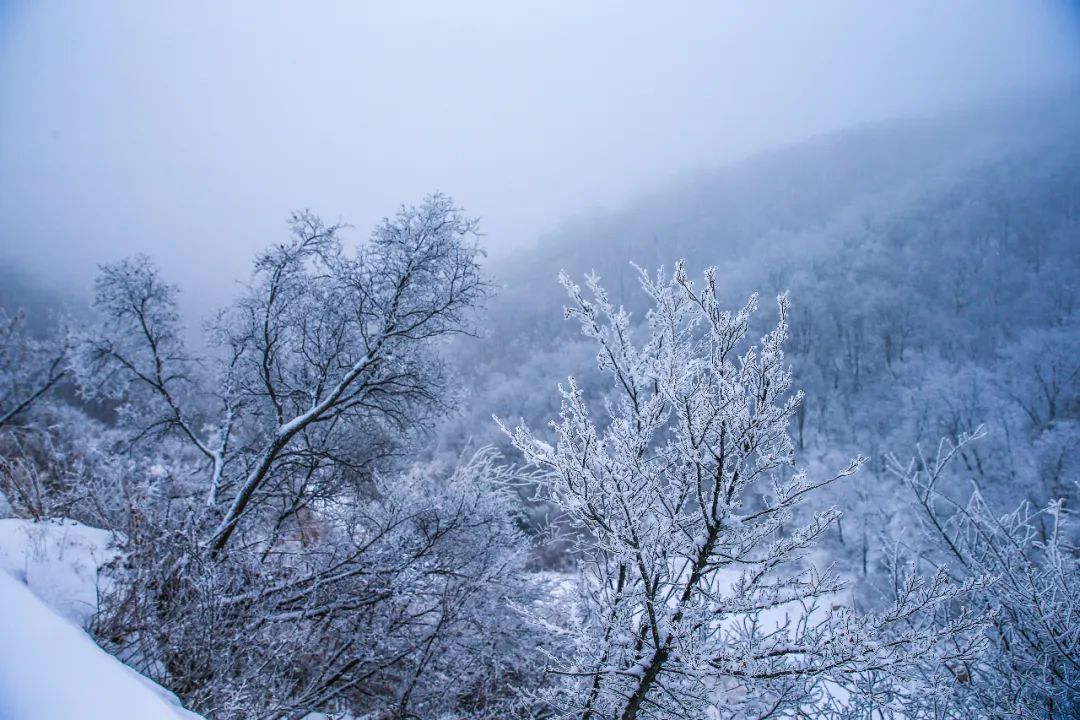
<point x="29" y="367"/>
<point x="697" y="590"/>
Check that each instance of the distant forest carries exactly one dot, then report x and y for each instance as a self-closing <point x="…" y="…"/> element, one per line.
<point x="657" y="524"/>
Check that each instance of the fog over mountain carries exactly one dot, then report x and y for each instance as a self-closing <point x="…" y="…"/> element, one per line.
<point x="190" y="131"/>
<point x="540" y="361"/>
<point x="813" y="219"/>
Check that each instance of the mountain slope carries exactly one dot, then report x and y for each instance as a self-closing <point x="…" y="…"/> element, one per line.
<point x="876" y="216"/>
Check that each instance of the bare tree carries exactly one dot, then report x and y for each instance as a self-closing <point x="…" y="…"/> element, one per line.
<point x="281" y="557"/>
<point x="326" y="357"/>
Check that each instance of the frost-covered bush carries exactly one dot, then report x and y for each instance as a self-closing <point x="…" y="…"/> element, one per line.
<point x="697" y="596"/>
<point x="1030" y="667"/>
<point x="396" y="598"/>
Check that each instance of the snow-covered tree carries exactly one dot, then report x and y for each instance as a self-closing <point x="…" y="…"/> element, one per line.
<point x="326" y="356"/>
<point x="1031" y="665"/>
<point x="32" y="367"/>
<point x="282" y="557"/>
<point x="393" y="598"/>
<point x="698" y="595"/>
<point x="29" y="366"/>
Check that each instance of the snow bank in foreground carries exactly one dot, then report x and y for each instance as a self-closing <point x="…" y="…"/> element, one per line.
<point x="49" y="668"/>
<point x="59" y="561"/>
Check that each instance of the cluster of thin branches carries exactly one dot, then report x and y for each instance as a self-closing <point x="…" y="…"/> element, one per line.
<point x="1031" y="665"/>
<point x="697" y="593"/>
<point x="281" y="555"/>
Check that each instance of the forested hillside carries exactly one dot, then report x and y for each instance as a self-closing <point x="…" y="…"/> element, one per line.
<point x="696" y="501"/>
<point x="932" y="267"/>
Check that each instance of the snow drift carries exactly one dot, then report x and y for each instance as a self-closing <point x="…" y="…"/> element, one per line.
<point x="49" y="668"/>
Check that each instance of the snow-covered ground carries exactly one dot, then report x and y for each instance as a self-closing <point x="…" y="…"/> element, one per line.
<point x="50" y="669"/>
<point x="58" y="560"/>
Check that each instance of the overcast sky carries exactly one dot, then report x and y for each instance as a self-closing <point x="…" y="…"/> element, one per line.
<point x="189" y="130"/>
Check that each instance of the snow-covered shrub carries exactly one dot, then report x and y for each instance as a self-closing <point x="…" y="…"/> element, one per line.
<point x="697" y="599"/>
<point x="1031" y="665"/>
<point x="394" y="598"/>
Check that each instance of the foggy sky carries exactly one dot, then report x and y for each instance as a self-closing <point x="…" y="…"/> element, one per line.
<point x="188" y="131"/>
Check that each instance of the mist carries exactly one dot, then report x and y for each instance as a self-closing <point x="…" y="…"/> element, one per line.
<point x="189" y="131"/>
<point x="540" y="361"/>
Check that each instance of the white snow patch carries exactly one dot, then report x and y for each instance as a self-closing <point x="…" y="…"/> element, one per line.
<point x="49" y="668"/>
<point x="59" y="561"/>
